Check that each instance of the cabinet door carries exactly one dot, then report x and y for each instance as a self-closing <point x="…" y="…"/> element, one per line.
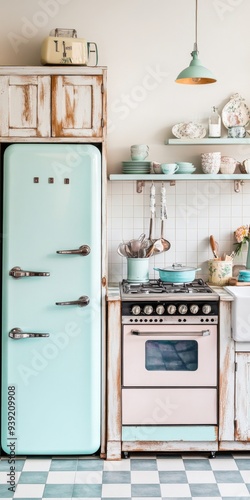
<point x="242" y="397"/>
<point x="25" y="106"/>
<point x="77" y="106"/>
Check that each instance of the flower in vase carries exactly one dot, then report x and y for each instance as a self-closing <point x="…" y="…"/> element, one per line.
<point x="242" y="236"/>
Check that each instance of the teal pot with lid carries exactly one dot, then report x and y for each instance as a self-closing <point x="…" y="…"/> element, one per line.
<point x="177" y="273"/>
<point x="244" y="275"/>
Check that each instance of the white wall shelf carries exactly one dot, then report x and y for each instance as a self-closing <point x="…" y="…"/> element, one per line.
<point x="141" y="179"/>
<point x="207" y="141"/>
<point x="237" y="178"/>
<point x="178" y="177"/>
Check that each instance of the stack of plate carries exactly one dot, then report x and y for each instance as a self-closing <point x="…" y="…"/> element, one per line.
<point x="136" y="167"/>
<point x="185" y="167"/>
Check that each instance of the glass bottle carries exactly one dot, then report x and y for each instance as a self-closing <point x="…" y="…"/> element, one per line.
<point x="214" y="124"/>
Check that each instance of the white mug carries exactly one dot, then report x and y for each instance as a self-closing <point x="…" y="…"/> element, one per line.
<point x="139" y="151"/>
<point x="140" y="155"/>
<point x="169" y="168"/>
<point x="139" y="147"/>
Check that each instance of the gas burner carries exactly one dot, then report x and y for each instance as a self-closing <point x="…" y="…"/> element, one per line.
<point x="144" y="288"/>
<point x="157" y="289"/>
<point x="158" y="286"/>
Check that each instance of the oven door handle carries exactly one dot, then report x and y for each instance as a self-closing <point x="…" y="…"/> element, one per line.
<point x="203" y="333"/>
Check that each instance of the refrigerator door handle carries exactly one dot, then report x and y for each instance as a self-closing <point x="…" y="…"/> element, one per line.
<point x="17" y="333"/>
<point x="17" y="272"/>
<point x="82" y="301"/>
<point x="83" y="250"/>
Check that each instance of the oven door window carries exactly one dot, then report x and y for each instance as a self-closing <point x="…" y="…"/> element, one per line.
<point x="171" y="355"/>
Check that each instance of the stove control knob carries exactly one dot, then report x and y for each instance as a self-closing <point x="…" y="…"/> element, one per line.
<point x="194" y="308"/>
<point x="206" y="309"/>
<point x="182" y="309"/>
<point x="136" y="310"/>
<point x="148" y="309"/>
<point x="160" y="309"/>
<point x="171" y="309"/>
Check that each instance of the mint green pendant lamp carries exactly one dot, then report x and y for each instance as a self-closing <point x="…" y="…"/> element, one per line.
<point x="195" y="73"/>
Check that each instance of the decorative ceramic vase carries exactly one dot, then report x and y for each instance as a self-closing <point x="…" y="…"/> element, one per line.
<point x="248" y="257"/>
<point x="219" y="272"/>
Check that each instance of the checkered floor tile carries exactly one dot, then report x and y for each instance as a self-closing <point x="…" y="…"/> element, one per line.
<point x="139" y="477"/>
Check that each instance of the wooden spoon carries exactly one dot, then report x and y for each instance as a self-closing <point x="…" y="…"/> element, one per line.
<point x="214" y="246"/>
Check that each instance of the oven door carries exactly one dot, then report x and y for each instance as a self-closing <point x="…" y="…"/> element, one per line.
<point x="170" y="355"/>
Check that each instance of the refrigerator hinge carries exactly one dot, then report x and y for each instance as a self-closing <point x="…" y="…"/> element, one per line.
<point x="102" y="88"/>
<point x="235" y="366"/>
<point x="102" y="122"/>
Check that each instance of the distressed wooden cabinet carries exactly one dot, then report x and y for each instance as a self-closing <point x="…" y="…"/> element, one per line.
<point x="52" y="103"/>
<point x="242" y="397"/>
<point x="77" y="106"/>
<point x="234" y="400"/>
<point x="24" y="106"/>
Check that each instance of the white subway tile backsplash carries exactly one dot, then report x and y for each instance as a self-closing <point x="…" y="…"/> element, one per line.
<point x="180" y="256"/>
<point x="195" y="210"/>
<point x="116" y="236"/>
<point x="214" y="210"/>
<point x="203" y="212"/>
<point x="128" y="188"/>
<point x="237" y="199"/>
<point x="171" y="211"/>
<point x="214" y="225"/>
<point x="225" y="226"/>
<point x="226" y="200"/>
<point x="192" y="221"/>
<point x="169" y="224"/>
<point x="236" y="221"/>
<point x="202" y="224"/>
<point x="180" y="223"/>
<point x="170" y="199"/>
<point x="192" y="236"/>
<point x="191" y="256"/>
<point x="116" y="200"/>
<point x="181" y="236"/>
<point x="180" y="188"/>
<point x="246" y="210"/>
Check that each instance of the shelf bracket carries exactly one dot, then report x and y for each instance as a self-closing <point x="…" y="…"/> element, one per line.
<point x="139" y="186"/>
<point x="237" y="186"/>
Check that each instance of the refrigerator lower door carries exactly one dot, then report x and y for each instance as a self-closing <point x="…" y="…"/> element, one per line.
<point x="51" y="306"/>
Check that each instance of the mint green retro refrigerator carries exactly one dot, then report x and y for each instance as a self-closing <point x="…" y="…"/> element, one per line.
<point x="51" y="296"/>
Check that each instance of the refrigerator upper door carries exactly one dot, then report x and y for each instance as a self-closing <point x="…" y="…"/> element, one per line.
<point x="51" y="381"/>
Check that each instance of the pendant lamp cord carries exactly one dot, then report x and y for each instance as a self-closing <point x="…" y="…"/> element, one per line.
<point x="196" y="22"/>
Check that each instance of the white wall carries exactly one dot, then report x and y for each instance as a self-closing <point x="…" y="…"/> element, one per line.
<point x="145" y="44"/>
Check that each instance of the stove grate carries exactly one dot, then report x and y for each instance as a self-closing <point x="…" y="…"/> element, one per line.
<point x="158" y="286"/>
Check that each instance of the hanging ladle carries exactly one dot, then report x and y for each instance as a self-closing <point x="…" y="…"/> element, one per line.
<point x="165" y="245"/>
<point x="161" y="245"/>
<point x="150" y="242"/>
